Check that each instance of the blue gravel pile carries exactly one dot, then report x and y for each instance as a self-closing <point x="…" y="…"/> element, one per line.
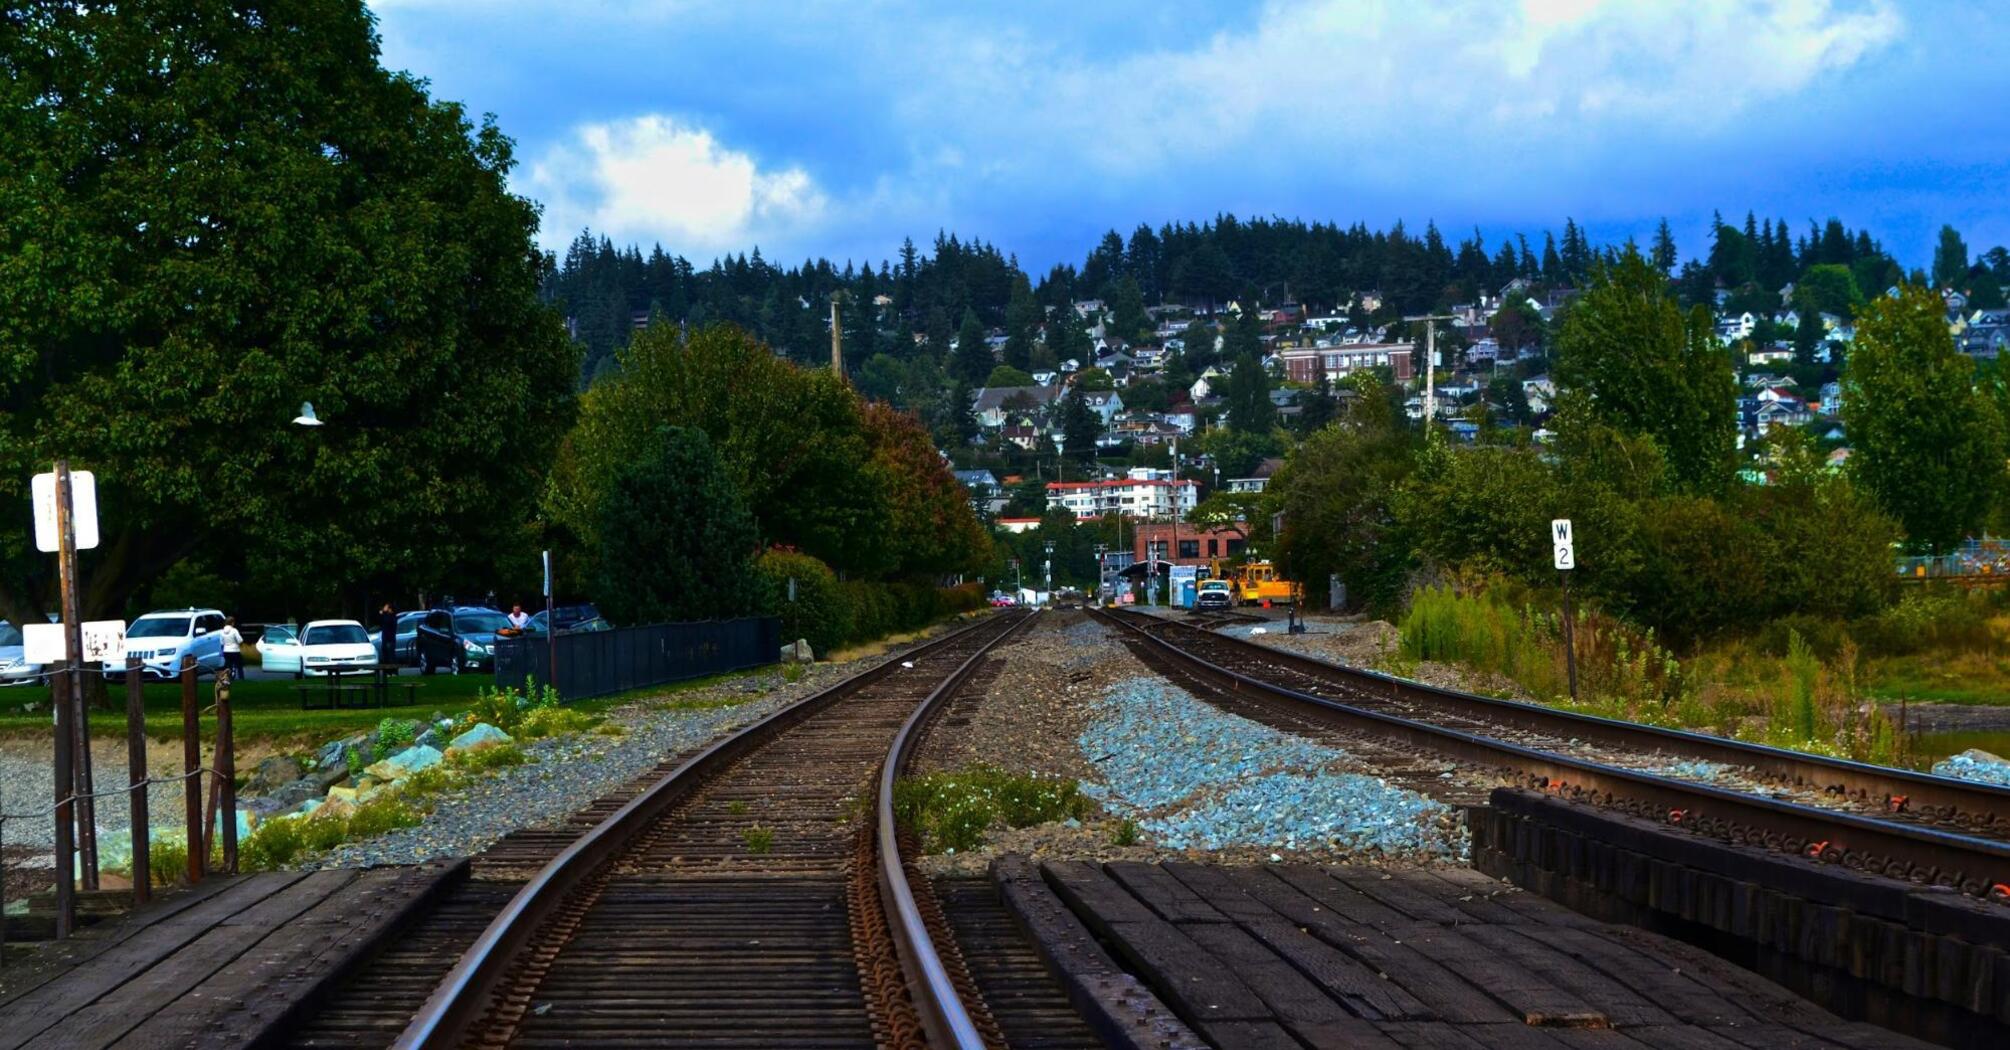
<point x="1194" y="777"/>
<point x="1975" y="765"/>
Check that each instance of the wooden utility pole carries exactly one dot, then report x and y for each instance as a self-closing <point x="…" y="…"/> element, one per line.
<point x="837" y="341"/>
<point x="1430" y="364"/>
<point x="84" y="811"/>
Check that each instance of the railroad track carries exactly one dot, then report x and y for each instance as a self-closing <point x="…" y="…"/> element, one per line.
<point x="1913" y="826"/>
<point x="754" y="895"/>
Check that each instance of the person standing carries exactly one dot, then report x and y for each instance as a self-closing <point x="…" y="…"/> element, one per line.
<point x="233" y="649"/>
<point x="387" y="635"/>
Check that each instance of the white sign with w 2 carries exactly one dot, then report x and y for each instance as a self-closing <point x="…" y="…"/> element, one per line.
<point x="1565" y="546"/>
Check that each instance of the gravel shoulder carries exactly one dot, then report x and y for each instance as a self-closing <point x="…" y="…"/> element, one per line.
<point x="1175" y="777"/>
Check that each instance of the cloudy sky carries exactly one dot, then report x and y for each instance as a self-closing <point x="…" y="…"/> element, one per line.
<point x="835" y="128"/>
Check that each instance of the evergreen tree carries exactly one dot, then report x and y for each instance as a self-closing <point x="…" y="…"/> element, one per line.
<point x="1663" y="253"/>
<point x="973" y="360"/>
<point x="1244" y="337"/>
<point x="960" y="426"/>
<point x="1249" y="407"/>
<point x="1128" y="320"/>
<point x="1064" y="336"/>
<point x="1950" y="260"/>
<point x="1022" y="315"/>
<point x="1080" y="427"/>
<point x="1552" y="264"/>
<point x="938" y="333"/>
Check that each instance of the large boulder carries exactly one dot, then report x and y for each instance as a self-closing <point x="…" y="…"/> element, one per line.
<point x="273" y="773"/>
<point x="404" y="764"/>
<point x="481" y="736"/>
<point x="335" y="753"/>
<point x="798" y="652"/>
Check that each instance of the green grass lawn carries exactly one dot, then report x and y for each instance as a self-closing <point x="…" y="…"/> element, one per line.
<point x="1948" y="678"/>
<point x="264" y="709"/>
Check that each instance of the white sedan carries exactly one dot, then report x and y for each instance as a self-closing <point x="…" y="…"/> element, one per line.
<point x="322" y="647"/>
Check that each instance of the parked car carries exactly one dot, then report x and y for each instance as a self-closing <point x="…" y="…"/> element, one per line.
<point x="278" y="648"/>
<point x="14" y="666"/>
<point x="569" y="618"/>
<point x="160" y="640"/>
<point x="536" y="626"/>
<point x="458" y="639"/>
<point x="407" y="638"/>
<point x="323" y="647"/>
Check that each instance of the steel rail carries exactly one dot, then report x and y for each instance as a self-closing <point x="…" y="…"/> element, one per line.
<point x="463" y="998"/>
<point x="935" y="996"/>
<point x="1924" y="854"/>
<point x="1886" y="784"/>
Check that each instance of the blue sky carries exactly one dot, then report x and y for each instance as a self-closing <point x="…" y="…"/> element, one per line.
<point x="827" y="128"/>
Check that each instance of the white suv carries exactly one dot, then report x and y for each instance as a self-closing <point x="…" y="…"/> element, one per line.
<point x="161" y="639"/>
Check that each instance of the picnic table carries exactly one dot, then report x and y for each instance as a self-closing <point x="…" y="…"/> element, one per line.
<point x="335" y="690"/>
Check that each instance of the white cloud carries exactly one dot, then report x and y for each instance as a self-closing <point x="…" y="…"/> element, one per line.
<point x="655" y="178"/>
<point x="1362" y="76"/>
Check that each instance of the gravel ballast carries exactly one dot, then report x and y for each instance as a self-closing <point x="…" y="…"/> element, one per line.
<point x="1196" y="777"/>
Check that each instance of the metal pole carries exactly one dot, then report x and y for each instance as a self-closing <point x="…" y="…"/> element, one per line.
<point x="226" y="772"/>
<point x="66" y="864"/>
<point x="550" y="627"/>
<point x="1569" y="635"/>
<point x="136" y="773"/>
<point x="191" y="760"/>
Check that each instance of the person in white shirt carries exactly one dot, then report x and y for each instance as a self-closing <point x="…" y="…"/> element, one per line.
<point x="517" y="617"/>
<point x="233" y="649"/>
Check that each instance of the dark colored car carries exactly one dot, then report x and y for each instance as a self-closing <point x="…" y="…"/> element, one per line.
<point x="462" y="638"/>
<point x="407" y="638"/>
<point x="535" y="628"/>
<point x="569" y="618"/>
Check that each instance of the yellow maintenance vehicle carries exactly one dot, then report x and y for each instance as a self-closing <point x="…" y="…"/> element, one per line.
<point x="1258" y="583"/>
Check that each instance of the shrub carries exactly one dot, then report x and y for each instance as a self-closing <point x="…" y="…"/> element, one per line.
<point x="555" y="721"/>
<point x="952" y="809"/>
<point x="384" y="813"/>
<point x="758" y="839"/>
<point x="506" y="707"/>
<point x="394" y="734"/>
<point x="482" y="760"/>
<point x="821" y="611"/>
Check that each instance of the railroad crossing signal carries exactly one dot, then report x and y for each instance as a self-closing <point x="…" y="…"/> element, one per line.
<point x="1564" y="546"/>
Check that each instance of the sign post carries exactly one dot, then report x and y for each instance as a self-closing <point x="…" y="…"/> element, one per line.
<point x="1564" y="547"/>
<point x="66" y="520"/>
<point x="551" y="625"/>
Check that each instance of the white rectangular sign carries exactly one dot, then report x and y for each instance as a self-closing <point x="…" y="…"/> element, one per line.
<point x="1563" y="543"/>
<point x="42" y="643"/>
<point x="105" y="642"/>
<point x="83" y="510"/>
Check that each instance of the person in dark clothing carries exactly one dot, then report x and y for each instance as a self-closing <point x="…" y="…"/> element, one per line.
<point x="387" y="637"/>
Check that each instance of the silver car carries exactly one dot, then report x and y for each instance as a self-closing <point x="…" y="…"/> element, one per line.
<point x="14" y="666"/>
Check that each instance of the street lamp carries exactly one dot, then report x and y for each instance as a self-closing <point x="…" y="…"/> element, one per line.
<point x="1050" y="569"/>
<point x="307" y="418"/>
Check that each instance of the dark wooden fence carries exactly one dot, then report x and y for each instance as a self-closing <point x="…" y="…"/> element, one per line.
<point x="602" y="663"/>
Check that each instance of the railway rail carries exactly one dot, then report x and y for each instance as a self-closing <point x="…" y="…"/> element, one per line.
<point x="744" y="898"/>
<point x="1925" y="829"/>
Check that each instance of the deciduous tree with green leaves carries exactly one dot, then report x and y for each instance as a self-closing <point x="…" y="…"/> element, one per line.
<point x="1640" y="364"/>
<point x="1927" y="443"/>
<point x="210" y="213"/>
